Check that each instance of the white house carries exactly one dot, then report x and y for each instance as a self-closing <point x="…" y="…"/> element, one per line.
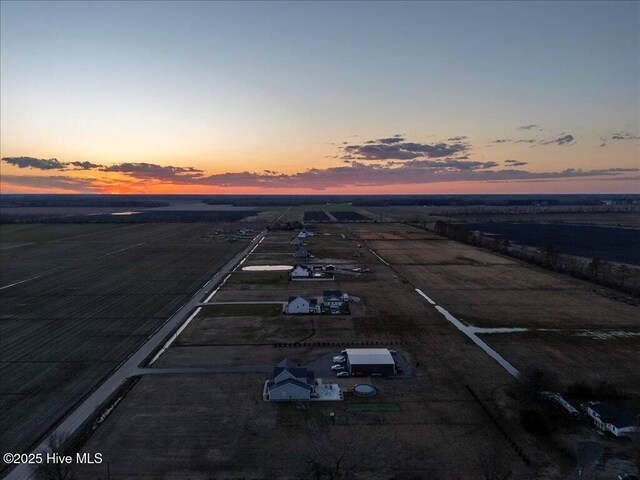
<point x="289" y="383"/>
<point x="612" y="419"/>
<point x="301" y="271"/>
<point x="302" y="305"/>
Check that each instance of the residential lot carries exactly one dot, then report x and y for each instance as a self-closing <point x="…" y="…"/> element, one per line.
<point x="200" y="427"/>
<point x="75" y="304"/>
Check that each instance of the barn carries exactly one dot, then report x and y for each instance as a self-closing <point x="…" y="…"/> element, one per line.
<point x="370" y="360"/>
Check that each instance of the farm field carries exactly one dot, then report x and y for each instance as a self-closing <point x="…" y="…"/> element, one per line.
<point x="434" y="404"/>
<point x="73" y="307"/>
<point x="316" y="216"/>
<point x="571" y="330"/>
<point x="583" y="356"/>
<point x="430" y="214"/>
<point x="607" y="243"/>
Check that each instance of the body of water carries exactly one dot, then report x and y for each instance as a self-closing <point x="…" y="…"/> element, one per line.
<point x="607" y="243"/>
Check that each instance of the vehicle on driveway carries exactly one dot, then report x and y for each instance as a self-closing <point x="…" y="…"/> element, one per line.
<point x="339" y="359"/>
<point x="337" y="367"/>
<point x="342" y="374"/>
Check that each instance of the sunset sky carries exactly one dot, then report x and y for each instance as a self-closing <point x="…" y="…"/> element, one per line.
<point x="454" y="97"/>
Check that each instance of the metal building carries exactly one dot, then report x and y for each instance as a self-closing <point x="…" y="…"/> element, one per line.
<point x="370" y="360"/>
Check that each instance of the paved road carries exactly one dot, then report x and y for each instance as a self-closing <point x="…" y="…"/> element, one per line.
<point x="129" y="367"/>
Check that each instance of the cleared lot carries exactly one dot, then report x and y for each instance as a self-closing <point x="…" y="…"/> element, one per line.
<point x="62" y="332"/>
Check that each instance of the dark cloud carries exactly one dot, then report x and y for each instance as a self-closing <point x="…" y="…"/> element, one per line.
<point x="84" y="165"/>
<point x="150" y="171"/>
<point x="528" y="127"/>
<point x="397" y="148"/>
<point x="449" y="164"/>
<point x="515" y="163"/>
<point x="525" y="141"/>
<point x="502" y="140"/>
<point x="562" y="140"/>
<point x="624" y="136"/>
<point x="353" y="174"/>
<point x="397" y="173"/>
<point x="461" y="138"/>
<point x="389" y="140"/>
<point x="61" y="182"/>
<point x="37" y="163"/>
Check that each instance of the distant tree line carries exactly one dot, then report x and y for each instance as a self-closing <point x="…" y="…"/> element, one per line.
<point x="73" y="201"/>
<point x="151" y="216"/>
<point x="596" y="270"/>
<point x="421" y="200"/>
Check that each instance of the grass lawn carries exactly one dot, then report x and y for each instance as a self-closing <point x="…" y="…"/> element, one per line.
<point x="258" y="310"/>
<point x="259" y="278"/>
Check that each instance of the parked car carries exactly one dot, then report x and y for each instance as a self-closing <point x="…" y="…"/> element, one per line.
<point x="339" y="359"/>
<point x="337" y="366"/>
<point x="342" y="374"/>
<point x="358" y="373"/>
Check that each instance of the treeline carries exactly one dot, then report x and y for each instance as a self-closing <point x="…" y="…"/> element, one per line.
<point x="422" y="200"/>
<point x="71" y="201"/>
<point x="152" y="216"/>
<point x="596" y="270"/>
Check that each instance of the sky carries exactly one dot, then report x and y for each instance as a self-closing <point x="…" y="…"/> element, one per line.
<point x="326" y="97"/>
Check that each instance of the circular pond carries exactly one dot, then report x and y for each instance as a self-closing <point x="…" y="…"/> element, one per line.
<point x="364" y="390"/>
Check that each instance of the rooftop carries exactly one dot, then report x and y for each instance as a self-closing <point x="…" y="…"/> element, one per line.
<point x="380" y="356"/>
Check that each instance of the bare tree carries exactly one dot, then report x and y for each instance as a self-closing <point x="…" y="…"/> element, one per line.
<point x="623" y="271"/>
<point x="493" y="463"/>
<point x="54" y="470"/>
<point x="594" y="267"/>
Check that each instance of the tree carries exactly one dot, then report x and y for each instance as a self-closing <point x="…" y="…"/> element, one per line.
<point x="623" y="271"/>
<point x="493" y="464"/>
<point x="53" y="470"/>
<point x="551" y="255"/>
<point x="593" y="269"/>
<point x="533" y="381"/>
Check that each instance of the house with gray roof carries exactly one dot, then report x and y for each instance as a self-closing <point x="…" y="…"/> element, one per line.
<point x="289" y="383"/>
<point x="302" y="252"/>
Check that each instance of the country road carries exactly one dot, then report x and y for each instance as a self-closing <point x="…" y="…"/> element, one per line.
<point x="130" y="367"/>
